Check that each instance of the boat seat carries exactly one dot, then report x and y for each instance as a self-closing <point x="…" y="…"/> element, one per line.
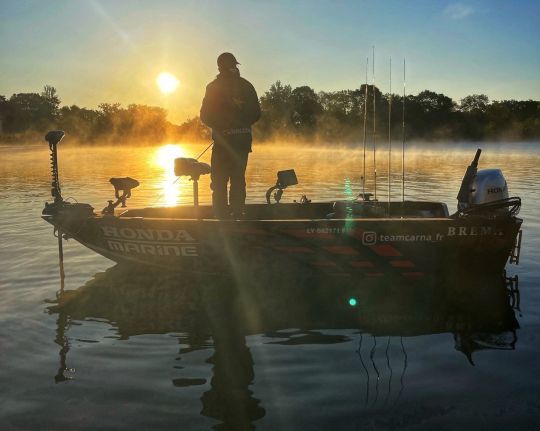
<point x="124" y="184"/>
<point x="190" y="167"/>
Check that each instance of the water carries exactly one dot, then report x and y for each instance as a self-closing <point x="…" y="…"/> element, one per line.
<point x="133" y="350"/>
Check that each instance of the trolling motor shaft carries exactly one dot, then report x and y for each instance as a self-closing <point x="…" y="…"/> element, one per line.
<point x="53" y="138"/>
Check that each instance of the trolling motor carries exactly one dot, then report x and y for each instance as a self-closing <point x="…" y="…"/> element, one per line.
<point x="123" y="185"/>
<point x="59" y="205"/>
<point x="185" y="166"/>
<point x="53" y="138"/>
<point x="284" y="179"/>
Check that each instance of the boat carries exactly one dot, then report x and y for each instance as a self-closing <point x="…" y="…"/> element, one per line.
<point x="360" y="238"/>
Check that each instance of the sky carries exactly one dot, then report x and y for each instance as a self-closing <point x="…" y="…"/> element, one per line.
<point x="96" y="51"/>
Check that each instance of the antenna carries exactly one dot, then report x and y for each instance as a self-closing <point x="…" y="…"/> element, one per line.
<point x="403" y="140"/>
<point x="365" y="120"/>
<point x="390" y="138"/>
<point x="374" y="131"/>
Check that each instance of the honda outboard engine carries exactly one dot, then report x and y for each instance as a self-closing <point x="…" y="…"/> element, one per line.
<point x="489" y="185"/>
<point x="485" y="191"/>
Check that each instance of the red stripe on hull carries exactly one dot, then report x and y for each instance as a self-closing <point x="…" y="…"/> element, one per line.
<point x="385" y="250"/>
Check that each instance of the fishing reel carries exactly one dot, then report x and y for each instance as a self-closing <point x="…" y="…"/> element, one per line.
<point x="284" y="179"/>
<point x="124" y="185"/>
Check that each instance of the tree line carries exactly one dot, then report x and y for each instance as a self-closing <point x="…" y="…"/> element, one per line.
<point x="287" y="114"/>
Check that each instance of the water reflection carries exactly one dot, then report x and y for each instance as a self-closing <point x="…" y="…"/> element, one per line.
<point x="164" y="159"/>
<point x="217" y="314"/>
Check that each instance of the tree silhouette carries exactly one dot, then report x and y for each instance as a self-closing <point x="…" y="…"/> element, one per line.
<point x="287" y="113"/>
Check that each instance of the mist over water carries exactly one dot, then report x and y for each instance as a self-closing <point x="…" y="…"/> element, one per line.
<point x="135" y="351"/>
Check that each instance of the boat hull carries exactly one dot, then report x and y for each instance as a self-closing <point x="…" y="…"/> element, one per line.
<point x="400" y="247"/>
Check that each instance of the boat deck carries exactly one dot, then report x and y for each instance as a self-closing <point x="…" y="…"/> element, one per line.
<point x="306" y="211"/>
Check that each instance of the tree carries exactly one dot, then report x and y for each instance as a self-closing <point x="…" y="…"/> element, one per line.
<point x="474" y="103"/>
<point x="276" y="108"/>
<point x="305" y="108"/>
<point x="193" y="130"/>
<point x="51" y="98"/>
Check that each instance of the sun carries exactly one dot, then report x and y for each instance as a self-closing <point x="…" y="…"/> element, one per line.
<point x="167" y="83"/>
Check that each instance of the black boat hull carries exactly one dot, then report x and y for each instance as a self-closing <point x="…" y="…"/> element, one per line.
<point x="356" y="247"/>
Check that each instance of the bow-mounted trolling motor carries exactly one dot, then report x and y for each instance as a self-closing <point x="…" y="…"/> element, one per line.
<point x="59" y="204"/>
<point x="284" y="179"/>
<point x="53" y="138"/>
<point x="485" y="192"/>
<point x="124" y="185"/>
<point x="185" y="166"/>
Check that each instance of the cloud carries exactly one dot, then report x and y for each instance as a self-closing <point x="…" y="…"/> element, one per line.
<point x="458" y="10"/>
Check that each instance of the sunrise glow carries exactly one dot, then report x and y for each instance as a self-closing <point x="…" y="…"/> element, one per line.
<point x="167" y="83"/>
<point x="164" y="158"/>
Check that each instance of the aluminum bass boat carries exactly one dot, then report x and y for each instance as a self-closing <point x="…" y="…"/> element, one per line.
<point x="358" y="238"/>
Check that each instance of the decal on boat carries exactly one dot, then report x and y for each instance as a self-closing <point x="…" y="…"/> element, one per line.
<point x="473" y="231"/>
<point x="147" y="234"/>
<point x="328" y="230"/>
<point x="152" y="242"/>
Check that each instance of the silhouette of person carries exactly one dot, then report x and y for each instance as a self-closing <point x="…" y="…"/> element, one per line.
<point x="230" y="107"/>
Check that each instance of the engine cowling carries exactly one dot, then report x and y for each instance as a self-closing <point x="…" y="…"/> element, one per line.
<point x="488" y="185"/>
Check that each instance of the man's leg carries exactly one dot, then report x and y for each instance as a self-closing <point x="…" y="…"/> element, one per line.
<point x="219" y="177"/>
<point x="237" y="194"/>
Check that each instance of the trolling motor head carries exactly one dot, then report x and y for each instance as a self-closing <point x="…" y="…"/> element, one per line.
<point x="54" y="137"/>
<point x="284" y="179"/>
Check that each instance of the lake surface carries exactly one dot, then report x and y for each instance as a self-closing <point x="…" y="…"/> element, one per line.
<point x="129" y="349"/>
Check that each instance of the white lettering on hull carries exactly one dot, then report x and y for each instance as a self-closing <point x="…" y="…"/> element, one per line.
<point x="178" y="235"/>
<point x="151" y="242"/>
<point x="153" y="250"/>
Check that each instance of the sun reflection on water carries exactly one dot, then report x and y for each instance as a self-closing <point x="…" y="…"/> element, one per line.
<point x="164" y="158"/>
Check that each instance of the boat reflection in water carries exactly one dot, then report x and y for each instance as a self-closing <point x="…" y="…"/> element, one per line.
<point x="218" y="313"/>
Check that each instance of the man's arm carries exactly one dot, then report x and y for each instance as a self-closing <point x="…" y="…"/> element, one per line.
<point x="253" y="111"/>
<point x="210" y="114"/>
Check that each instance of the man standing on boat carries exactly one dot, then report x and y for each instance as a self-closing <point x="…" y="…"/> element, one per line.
<point x="230" y="107"/>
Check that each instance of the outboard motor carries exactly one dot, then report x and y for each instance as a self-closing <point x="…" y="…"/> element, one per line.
<point x="489" y="185"/>
<point x="485" y="191"/>
<point x="464" y="195"/>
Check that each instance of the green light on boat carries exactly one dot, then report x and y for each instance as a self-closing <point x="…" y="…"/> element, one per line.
<point x="352" y="302"/>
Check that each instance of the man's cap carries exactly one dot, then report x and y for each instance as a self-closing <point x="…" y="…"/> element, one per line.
<point x="226" y="60"/>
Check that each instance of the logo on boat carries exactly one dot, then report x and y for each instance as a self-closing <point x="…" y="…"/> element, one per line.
<point x="473" y="231"/>
<point x="152" y="242"/>
<point x="147" y="234"/>
<point x="369" y="238"/>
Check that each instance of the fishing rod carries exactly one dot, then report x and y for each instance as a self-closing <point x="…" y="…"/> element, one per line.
<point x="374" y="131"/>
<point x="390" y="138"/>
<point x="205" y="150"/>
<point x="365" y="121"/>
<point x="403" y="140"/>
